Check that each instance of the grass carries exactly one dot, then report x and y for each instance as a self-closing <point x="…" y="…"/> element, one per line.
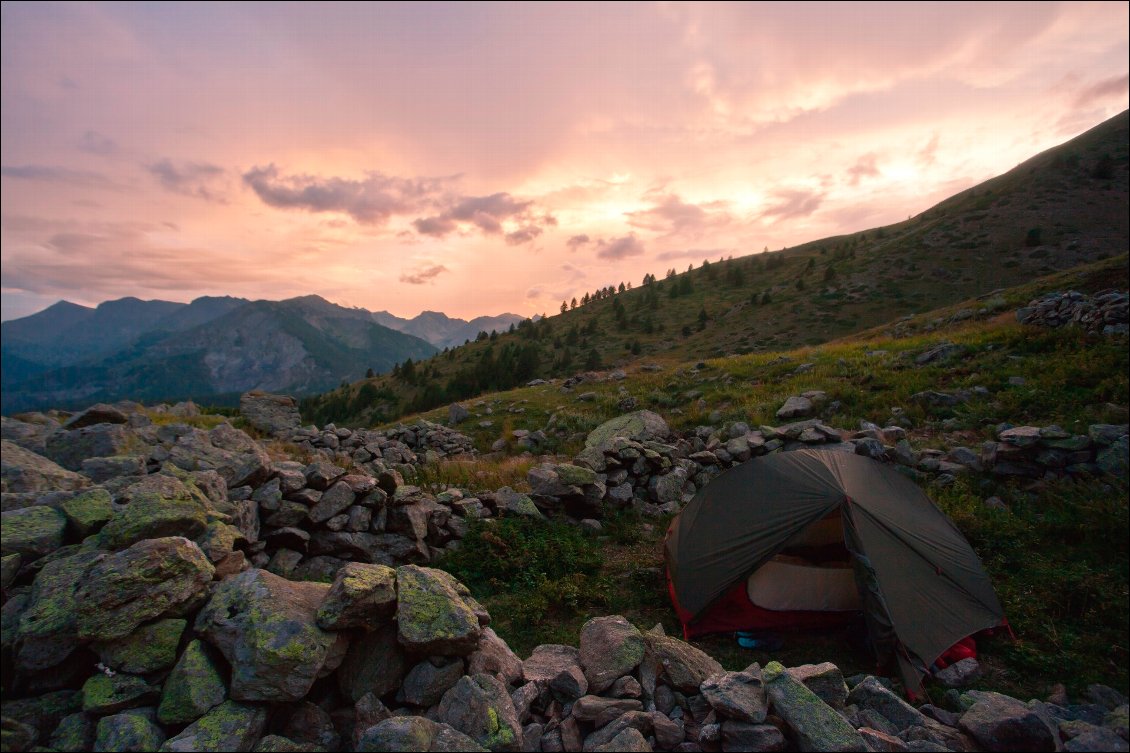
<point x="488" y="473"/>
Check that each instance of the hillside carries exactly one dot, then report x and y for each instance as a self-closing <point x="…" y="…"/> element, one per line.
<point x="1062" y="208"/>
<point x="300" y="345"/>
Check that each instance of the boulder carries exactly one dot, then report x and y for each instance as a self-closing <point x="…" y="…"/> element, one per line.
<point x="999" y="723"/>
<point x="684" y="666"/>
<point x="100" y="470"/>
<point x="239" y="459"/>
<point x="494" y="657"/>
<point x="127" y="732"/>
<point x="638" y="426"/>
<point x="415" y="734"/>
<point x="959" y="674"/>
<point x="611" y="647"/>
<point x="361" y="596"/>
<point x="151" y="579"/>
<point x="480" y="707"/>
<point x="265" y="627"/>
<point x="740" y="736"/>
<point x="22" y="470"/>
<point x="150" y="648"/>
<point x="274" y="415"/>
<point x="628" y="740"/>
<point x="589" y="708"/>
<point x="795" y="407"/>
<point x="88" y="511"/>
<point x="425" y="683"/>
<point x="311" y="726"/>
<point x="815" y="725"/>
<point x="194" y="687"/>
<point x="376" y="663"/>
<point x="737" y="695"/>
<point x="69" y="448"/>
<point x="75" y="734"/>
<point x="230" y="726"/>
<point x="825" y="680"/>
<point x="150" y="516"/>
<point x="433" y="615"/>
<point x="457" y="414"/>
<point x="872" y="694"/>
<point x="549" y="660"/>
<point x="32" y="531"/>
<point x="48" y="628"/>
<point x="108" y="694"/>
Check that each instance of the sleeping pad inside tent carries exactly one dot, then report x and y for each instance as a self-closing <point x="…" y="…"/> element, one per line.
<point x="808" y="538"/>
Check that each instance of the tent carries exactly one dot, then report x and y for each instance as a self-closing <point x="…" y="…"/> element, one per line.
<point x="804" y="538"/>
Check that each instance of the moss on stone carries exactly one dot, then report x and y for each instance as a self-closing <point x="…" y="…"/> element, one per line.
<point x="75" y="733"/>
<point x="105" y="694"/>
<point x="193" y="687"/>
<point x="88" y="512"/>
<point x="128" y="732"/>
<point x="150" y="516"/>
<point x="31" y="531"/>
<point x="229" y="726"/>
<point x="432" y="617"/>
<point x="147" y="649"/>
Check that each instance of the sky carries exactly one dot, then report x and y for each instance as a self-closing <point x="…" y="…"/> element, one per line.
<point x="485" y="158"/>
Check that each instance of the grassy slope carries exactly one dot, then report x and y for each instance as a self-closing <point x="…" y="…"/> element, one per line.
<point x="1058" y="558"/>
<point x="967" y="246"/>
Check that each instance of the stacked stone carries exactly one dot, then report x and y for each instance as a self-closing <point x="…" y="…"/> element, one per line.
<point x="422" y="442"/>
<point x="1105" y="312"/>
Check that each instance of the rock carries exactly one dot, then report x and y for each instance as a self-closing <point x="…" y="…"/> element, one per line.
<point x="275" y="415"/>
<point x="32" y="531"/>
<point x="569" y="684"/>
<point x="69" y="448"/>
<point x="742" y="736"/>
<point x="426" y="682"/>
<point x="99" y="413"/>
<point x="1113" y="460"/>
<point x="640" y="426"/>
<point x="825" y="680"/>
<point x="150" y="579"/>
<point x="881" y="741"/>
<point x="611" y="647"/>
<point x="43" y="713"/>
<point x="149" y="516"/>
<point x="88" y="511"/>
<point x="795" y="407"/>
<point x="311" y="725"/>
<point x="194" y="687"/>
<point x="872" y="694"/>
<point x="361" y="596"/>
<point x="415" y="734"/>
<point x="480" y="707"/>
<point x="280" y="744"/>
<point x="684" y="666"/>
<point x="239" y="459"/>
<point x="815" y="725"/>
<point x="549" y="660"/>
<point x="433" y="617"/>
<point x="376" y="663"/>
<point x="628" y="739"/>
<point x="230" y="726"/>
<point x="149" y="648"/>
<point x="335" y="499"/>
<point x="9" y="569"/>
<point x="637" y="720"/>
<point x="127" y="732"/>
<point x="494" y="657"/>
<point x="100" y="470"/>
<point x="48" y="628"/>
<point x="320" y="475"/>
<point x="457" y="414"/>
<point x="367" y="712"/>
<point x="22" y="470"/>
<point x="108" y="694"/>
<point x="1000" y="723"/>
<point x="511" y="502"/>
<point x="959" y="674"/>
<point x="589" y="708"/>
<point x="1105" y="696"/>
<point x="736" y="695"/>
<point x="75" y="734"/>
<point x="265" y="627"/>
<point x="1020" y="436"/>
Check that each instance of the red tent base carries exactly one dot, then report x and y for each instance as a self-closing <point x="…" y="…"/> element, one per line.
<point x="734" y="611"/>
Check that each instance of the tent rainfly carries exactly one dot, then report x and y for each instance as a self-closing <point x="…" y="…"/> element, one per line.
<point x="803" y="538"/>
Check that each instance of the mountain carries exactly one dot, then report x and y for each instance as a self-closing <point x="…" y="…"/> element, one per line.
<point x="444" y="331"/>
<point x="300" y="345"/>
<point x="1060" y="209"/>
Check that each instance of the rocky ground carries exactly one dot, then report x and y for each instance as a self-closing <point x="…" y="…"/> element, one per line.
<point x="172" y="587"/>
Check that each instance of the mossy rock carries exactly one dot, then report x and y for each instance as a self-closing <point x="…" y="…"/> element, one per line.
<point x="219" y="540"/>
<point x="575" y="475"/>
<point x="432" y="616"/>
<point x="638" y="426"/>
<point x="414" y="734"/>
<point x="193" y="688"/>
<point x="128" y="732"/>
<point x="9" y="568"/>
<point x="149" y="648"/>
<point x="74" y="734"/>
<point x="815" y="724"/>
<point x="146" y="581"/>
<point x="88" y="512"/>
<point x="32" y="531"/>
<point x="107" y="694"/>
<point x="280" y="744"/>
<point x="48" y="629"/>
<point x="149" y="516"/>
<point x="361" y="596"/>
<point x="229" y="726"/>
<point x="44" y="712"/>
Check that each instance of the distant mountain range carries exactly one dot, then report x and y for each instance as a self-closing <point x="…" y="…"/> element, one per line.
<point x="210" y="350"/>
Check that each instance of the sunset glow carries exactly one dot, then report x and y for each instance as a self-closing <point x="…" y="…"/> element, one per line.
<point x="482" y="158"/>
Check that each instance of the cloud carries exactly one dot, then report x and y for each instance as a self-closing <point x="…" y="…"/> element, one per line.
<point x="487" y="213"/>
<point x="864" y="167"/>
<point x="523" y="235"/>
<point x="793" y="202"/>
<point x="577" y="241"/>
<point x="372" y="200"/>
<point x="190" y="179"/>
<point x="674" y="216"/>
<point x="423" y="274"/>
<point x="1108" y="88"/>
<point x="928" y="154"/>
<point x="53" y="174"/>
<point x="619" y="248"/>
<point x="95" y="143"/>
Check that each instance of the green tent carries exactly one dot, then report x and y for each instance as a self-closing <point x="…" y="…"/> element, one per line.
<point x="789" y="539"/>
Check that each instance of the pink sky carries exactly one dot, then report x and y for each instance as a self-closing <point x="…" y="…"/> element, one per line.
<point x="481" y="158"/>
